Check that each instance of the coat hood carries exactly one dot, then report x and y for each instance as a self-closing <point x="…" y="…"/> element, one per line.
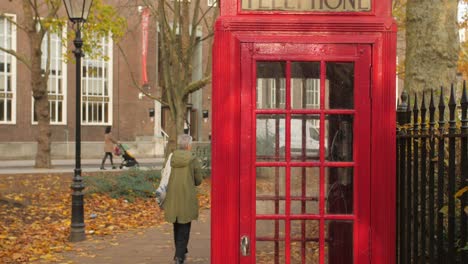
<point x="181" y="158"/>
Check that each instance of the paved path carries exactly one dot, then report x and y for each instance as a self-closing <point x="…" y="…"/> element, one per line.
<point x="145" y="246"/>
<point x="61" y="166"/>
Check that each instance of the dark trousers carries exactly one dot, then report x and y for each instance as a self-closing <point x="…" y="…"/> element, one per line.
<point x="105" y="157"/>
<point x="181" y="239"/>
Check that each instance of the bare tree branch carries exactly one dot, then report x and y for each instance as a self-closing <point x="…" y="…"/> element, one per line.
<point x="197" y="85"/>
<point x="11" y="20"/>
<point x="18" y="56"/>
<point x="134" y="81"/>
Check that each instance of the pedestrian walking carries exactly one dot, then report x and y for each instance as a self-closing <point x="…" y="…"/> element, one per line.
<point x="109" y="142"/>
<point x="181" y="202"/>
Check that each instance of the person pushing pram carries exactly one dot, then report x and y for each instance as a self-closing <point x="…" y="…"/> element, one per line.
<point x="128" y="159"/>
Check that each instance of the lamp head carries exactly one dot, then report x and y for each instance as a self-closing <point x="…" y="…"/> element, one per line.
<point x="78" y="10"/>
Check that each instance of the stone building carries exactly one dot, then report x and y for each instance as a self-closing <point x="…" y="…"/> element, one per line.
<point x="109" y="93"/>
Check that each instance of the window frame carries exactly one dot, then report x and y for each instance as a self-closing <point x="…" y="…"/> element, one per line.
<point x="13" y="72"/>
<point x="64" y="79"/>
<point x="85" y="87"/>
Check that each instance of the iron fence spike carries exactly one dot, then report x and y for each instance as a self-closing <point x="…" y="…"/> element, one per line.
<point x="415" y="106"/>
<point x="431" y="103"/>
<point x="464" y="98"/>
<point x="452" y="101"/>
<point x="423" y="102"/>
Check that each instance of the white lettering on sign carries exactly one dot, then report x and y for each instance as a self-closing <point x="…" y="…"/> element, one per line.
<point x="308" y="5"/>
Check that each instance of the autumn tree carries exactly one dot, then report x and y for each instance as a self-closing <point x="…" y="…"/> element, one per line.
<point x="41" y="17"/>
<point x="463" y="60"/>
<point x="432" y="44"/>
<point x="178" y="23"/>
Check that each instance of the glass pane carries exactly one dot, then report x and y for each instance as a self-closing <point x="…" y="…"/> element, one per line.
<point x="270" y="246"/>
<point x="96" y="112"/>
<point x="106" y="112"/>
<point x="340" y="85"/>
<point x="271" y="85"/>
<point x="339" y="137"/>
<point x="305" y="85"/>
<point x="304" y="241"/>
<point x="305" y="186"/>
<point x="339" y="238"/>
<point x="9" y="110"/>
<point x="2" y="109"/>
<point x="270" y="137"/>
<point x="83" y="112"/>
<point x="100" y="112"/>
<point x="90" y="114"/>
<point x="9" y="84"/>
<point x="339" y="190"/>
<point x="60" y="86"/>
<point x="305" y="137"/>
<point x="270" y="190"/>
<point x="59" y="118"/>
<point x="52" y="111"/>
<point x="2" y="80"/>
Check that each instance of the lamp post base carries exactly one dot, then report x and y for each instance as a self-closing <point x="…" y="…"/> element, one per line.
<point x="77" y="230"/>
<point x="77" y="234"/>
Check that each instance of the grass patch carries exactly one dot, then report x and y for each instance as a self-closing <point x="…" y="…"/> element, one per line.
<point x="129" y="184"/>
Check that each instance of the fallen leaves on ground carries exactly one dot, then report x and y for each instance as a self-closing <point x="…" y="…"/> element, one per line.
<point x="35" y="216"/>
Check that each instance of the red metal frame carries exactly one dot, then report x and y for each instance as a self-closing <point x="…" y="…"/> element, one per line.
<point x="361" y="114"/>
<point x="239" y="39"/>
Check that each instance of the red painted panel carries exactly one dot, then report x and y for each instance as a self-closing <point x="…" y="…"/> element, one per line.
<point x="225" y="152"/>
<point x="227" y="199"/>
<point x="383" y="169"/>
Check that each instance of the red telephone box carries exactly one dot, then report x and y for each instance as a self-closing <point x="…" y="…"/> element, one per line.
<point x="303" y="166"/>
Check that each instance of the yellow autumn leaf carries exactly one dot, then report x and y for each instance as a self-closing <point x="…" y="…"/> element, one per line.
<point x="461" y="192"/>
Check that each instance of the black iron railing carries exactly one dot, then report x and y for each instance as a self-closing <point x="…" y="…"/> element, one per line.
<point x="432" y="170"/>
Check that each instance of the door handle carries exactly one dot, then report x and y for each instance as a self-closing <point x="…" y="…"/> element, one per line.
<point x="245" y="246"/>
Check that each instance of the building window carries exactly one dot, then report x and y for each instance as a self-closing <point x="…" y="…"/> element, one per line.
<point x="7" y="72"/>
<point x="212" y="2"/>
<point x="57" y="83"/>
<point x="96" y="86"/>
<point x="268" y="89"/>
<point x="312" y="93"/>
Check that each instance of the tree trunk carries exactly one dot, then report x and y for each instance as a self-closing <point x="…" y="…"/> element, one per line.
<point x="41" y="105"/>
<point x="432" y="44"/>
<point x="177" y="128"/>
<point x="43" y="154"/>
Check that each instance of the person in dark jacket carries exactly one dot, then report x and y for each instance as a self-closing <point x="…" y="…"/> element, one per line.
<point x="181" y="202"/>
<point x="109" y="142"/>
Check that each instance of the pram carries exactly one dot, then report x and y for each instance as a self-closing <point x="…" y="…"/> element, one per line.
<point x="128" y="159"/>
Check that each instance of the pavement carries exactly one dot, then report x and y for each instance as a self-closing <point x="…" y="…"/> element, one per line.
<point x="144" y="246"/>
<point x="67" y="165"/>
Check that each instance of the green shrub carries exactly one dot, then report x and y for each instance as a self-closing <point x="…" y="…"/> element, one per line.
<point x="129" y="184"/>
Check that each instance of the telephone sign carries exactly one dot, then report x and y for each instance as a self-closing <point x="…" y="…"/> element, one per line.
<point x="308" y="5"/>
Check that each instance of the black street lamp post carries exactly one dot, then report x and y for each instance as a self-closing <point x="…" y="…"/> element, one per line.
<point x="78" y="11"/>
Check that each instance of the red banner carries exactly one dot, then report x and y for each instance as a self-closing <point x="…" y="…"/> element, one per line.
<point x="144" y="44"/>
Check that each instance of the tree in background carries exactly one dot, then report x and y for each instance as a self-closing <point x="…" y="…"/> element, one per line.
<point x="399" y="13"/>
<point x="432" y="44"/>
<point x="463" y="60"/>
<point x="41" y="17"/>
<point x="178" y="22"/>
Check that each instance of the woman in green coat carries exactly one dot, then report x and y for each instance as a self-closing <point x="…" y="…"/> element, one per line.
<point x="181" y="202"/>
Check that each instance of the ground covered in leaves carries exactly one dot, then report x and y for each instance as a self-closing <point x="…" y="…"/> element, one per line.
<point x="35" y="215"/>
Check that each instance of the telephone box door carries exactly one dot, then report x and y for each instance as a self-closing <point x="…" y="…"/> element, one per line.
<point x="305" y="153"/>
